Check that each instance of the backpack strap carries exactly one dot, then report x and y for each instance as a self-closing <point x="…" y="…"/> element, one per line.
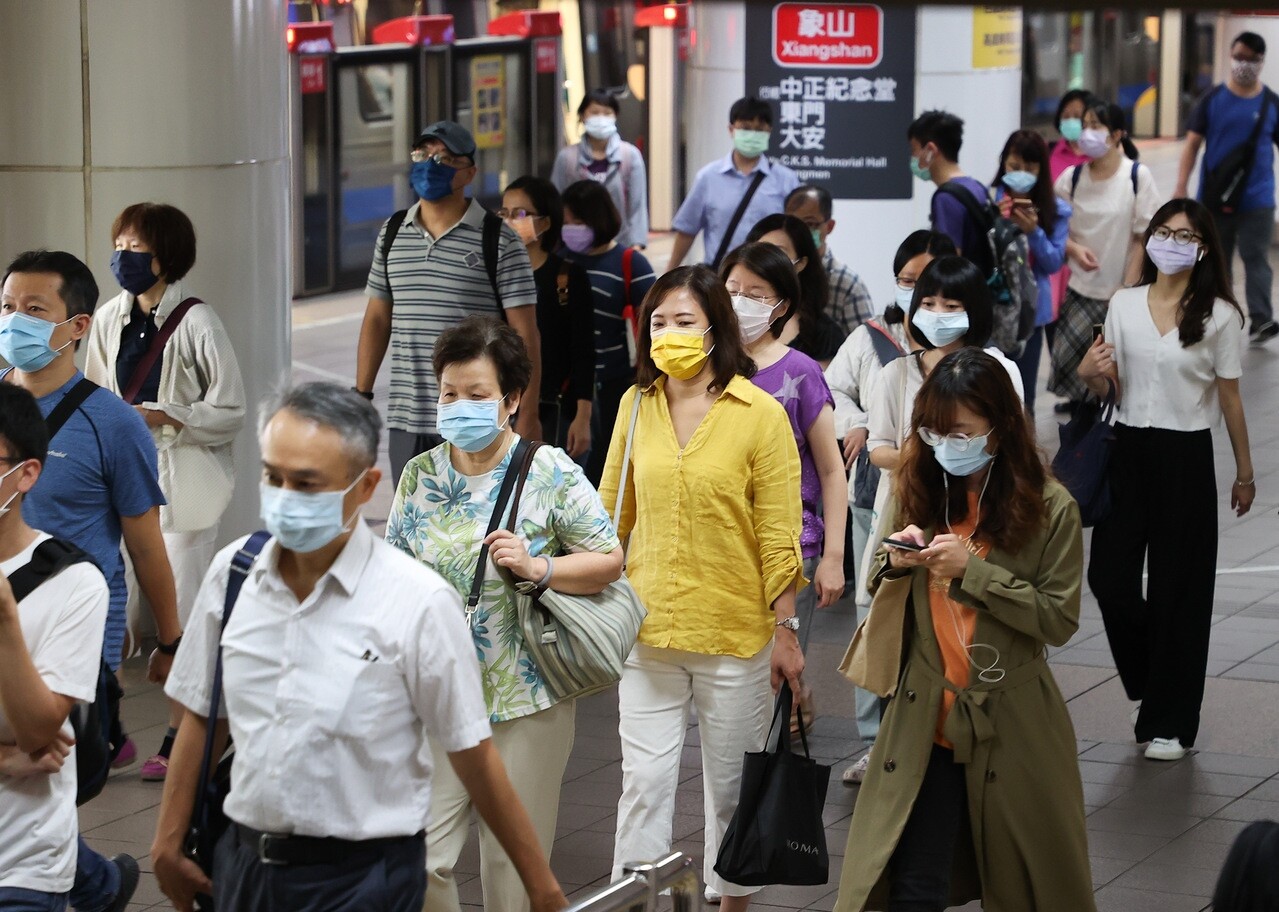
<point x="492" y="232"/>
<point x="155" y="349"/>
<point x="70" y="402"/>
<point x="886" y="347"/>
<point x="50" y="558"/>
<point x="627" y="255"/>
<point x="979" y="211"/>
<point x="393" y="225"/>
<point x="1135" y="167"/>
<point x="1076" y="173"/>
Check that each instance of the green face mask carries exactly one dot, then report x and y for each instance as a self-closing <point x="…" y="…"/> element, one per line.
<point x="751" y="143"/>
<point x="818" y="240"/>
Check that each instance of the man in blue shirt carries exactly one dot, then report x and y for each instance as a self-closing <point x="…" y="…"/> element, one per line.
<point x="99" y="484"/>
<point x="935" y="139"/>
<point x="720" y="187"/>
<point x="1225" y="118"/>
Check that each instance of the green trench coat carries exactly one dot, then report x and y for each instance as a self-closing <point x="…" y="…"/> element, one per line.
<point x="1028" y="850"/>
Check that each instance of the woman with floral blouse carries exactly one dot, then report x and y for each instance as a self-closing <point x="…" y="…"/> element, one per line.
<point x="563" y="539"/>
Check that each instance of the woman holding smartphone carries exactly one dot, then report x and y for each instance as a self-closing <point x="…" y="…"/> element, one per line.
<point x="973" y="790"/>
<point x="1173" y="346"/>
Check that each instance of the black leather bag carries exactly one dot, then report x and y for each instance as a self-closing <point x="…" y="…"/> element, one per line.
<point x="777" y="835"/>
<point x="1082" y="463"/>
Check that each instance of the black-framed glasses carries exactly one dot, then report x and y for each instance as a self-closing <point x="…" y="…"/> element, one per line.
<point x="517" y="213"/>
<point x="1182" y="236"/>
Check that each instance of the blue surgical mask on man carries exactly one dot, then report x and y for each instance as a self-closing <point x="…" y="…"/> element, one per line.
<point x="940" y="328"/>
<point x="305" y="521"/>
<point x="132" y="269"/>
<point x="966" y="462"/>
<point x="470" y="424"/>
<point x="431" y="180"/>
<point x="24" y="341"/>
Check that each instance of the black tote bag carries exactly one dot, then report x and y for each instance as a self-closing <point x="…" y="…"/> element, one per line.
<point x="777" y="835"/>
<point x="1082" y="463"/>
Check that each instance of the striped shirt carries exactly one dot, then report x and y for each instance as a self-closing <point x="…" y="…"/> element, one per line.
<point x="850" y="301"/>
<point x="437" y="283"/>
<point x="612" y="358"/>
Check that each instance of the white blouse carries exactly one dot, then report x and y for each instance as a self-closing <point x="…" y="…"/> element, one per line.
<point x="1166" y="385"/>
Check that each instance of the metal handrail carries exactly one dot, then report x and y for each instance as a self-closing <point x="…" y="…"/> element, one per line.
<point x="638" y="890"/>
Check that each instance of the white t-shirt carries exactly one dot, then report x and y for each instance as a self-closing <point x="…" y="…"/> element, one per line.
<point x="1106" y="214"/>
<point x="62" y="623"/>
<point x="1166" y="385"/>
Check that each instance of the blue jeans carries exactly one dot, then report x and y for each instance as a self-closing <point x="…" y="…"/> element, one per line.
<point x="16" y="899"/>
<point x="97" y="880"/>
<point x="1028" y="364"/>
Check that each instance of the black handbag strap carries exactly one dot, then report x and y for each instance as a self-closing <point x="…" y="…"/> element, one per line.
<point x="779" y="732"/>
<point x="241" y="563"/>
<point x="514" y="469"/>
<point x="66" y="407"/>
<point x="737" y="218"/>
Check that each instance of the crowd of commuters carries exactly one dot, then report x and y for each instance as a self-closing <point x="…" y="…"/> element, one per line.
<point x="748" y="438"/>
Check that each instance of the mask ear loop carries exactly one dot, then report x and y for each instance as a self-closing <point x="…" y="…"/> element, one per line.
<point x="987" y="674"/>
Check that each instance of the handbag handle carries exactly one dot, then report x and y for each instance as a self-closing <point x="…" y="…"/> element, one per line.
<point x="778" y="741"/>
<point x="499" y="508"/>
<point x="1108" y="403"/>
<point x="626" y="459"/>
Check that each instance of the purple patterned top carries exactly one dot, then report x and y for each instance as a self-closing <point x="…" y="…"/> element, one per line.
<point x="797" y="382"/>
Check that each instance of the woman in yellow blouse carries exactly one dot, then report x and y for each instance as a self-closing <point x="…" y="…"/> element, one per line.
<point x="712" y="509"/>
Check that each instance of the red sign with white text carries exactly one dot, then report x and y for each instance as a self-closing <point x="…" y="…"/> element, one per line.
<point x="835" y="35"/>
<point x="546" y="54"/>
<point x="314" y="75"/>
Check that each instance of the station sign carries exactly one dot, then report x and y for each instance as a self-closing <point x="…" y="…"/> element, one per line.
<point x="836" y="35"/>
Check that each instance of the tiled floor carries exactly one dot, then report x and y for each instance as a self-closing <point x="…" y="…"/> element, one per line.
<point x="1157" y="832"/>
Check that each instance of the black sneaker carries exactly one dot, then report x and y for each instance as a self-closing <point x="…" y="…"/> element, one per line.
<point x="128" y="867"/>
<point x="1264" y="332"/>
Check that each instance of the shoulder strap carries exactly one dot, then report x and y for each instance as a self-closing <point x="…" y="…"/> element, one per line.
<point x="627" y="255"/>
<point x="70" y="402"/>
<point x="241" y="564"/>
<point x="393" y="225"/>
<point x="158" y="341"/>
<point x="50" y="558"/>
<point x="979" y="211"/>
<point x="737" y="218"/>
<point x="1136" y="166"/>
<point x="561" y="283"/>
<point x="1076" y="173"/>
<point x="525" y="467"/>
<point x="886" y="347"/>
<point x="513" y="469"/>
<point x="626" y="458"/>
<point x="488" y="246"/>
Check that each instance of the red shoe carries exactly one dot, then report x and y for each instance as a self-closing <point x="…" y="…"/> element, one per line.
<point x="128" y="753"/>
<point x="155" y="769"/>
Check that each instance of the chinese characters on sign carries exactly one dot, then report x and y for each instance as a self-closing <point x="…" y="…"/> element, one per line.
<point x="841" y="79"/>
<point x="314" y="75"/>
<point x="996" y="37"/>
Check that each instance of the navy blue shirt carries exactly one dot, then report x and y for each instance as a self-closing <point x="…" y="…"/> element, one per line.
<point x="101" y="466"/>
<point x="135" y="339"/>
<point x="1226" y="121"/>
<point x="612" y="358"/>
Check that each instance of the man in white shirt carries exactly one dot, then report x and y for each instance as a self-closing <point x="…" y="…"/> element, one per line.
<point x="51" y="631"/>
<point x="341" y="657"/>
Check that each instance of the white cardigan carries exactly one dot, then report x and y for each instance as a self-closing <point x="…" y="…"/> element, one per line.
<point x="200" y="386"/>
<point x="852" y="372"/>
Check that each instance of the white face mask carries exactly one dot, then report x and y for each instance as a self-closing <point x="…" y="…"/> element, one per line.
<point x="1245" y="72"/>
<point x="5" y="508"/>
<point x="753" y="317"/>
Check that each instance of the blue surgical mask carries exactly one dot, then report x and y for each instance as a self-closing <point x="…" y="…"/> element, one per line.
<point x="968" y="462"/>
<point x="601" y="126"/>
<point x="903" y="297"/>
<point x="431" y="180"/>
<point x="1020" y="181"/>
<point x="470" y="424"/>
<point x="940" y="328"/>
<point x="1071" y="129"/>
<point x="132" y="269"/>
<point x="919" y="170"/>
<point x="24" y="341"/>
<point x="305" y="521"/>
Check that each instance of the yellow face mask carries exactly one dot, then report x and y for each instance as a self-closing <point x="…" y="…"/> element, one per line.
<point x="678" y="353"/>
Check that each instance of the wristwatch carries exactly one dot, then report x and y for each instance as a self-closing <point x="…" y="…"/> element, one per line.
<point x="169" y="649"/>
<point x="790" y="623"/>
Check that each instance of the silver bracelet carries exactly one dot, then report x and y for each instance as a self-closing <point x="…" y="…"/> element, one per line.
<point x="1250" y="483"/>
<point x="550" y="566"/>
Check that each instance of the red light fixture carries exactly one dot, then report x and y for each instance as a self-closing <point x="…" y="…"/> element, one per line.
<point x="666" y="15"/>
<point x="424" y="31"/>
<point x="309" y="37"/>
<point x="527" y="24"/>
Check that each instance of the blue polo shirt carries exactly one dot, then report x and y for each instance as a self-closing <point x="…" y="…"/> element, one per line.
<point x="718" y="190"/>
<point x="101" y="466"/>
<point x="1226" y="121"/>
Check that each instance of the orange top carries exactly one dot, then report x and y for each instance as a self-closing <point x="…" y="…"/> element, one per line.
<point x="954" y="623"/>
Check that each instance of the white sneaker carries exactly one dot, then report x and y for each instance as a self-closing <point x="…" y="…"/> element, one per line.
<point x="1165" y="749"/>
<point x="857" y="772"/>
<point x="713" y="898"/>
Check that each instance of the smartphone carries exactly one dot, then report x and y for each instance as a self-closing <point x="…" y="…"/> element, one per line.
<point x="903" y="545"/>
<point x="1098" y="331"/>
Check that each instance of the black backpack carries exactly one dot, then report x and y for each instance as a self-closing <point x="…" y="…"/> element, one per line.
<point x="1006" y="262"/>
<point x="93" y="723"/>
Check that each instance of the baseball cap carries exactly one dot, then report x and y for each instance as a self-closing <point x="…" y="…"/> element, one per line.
<point x="456" y="138"/>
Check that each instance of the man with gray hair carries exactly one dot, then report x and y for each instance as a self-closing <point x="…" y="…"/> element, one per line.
<point x="341" y="657"/>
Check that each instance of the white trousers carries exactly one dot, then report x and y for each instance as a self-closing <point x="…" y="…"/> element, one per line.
<point x="734" y="703"/>
<point x="190" y="554"/>
<point x="535" y="751"/>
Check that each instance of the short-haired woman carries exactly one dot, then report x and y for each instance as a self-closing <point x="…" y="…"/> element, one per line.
<point x="813" y="331"/>
<point x="1174" y="345"/>
<point x="565" y="316"/>
<point x="712" y="510"/>
<point x="973" y="790"/>
<point x="564" y="540"/>
<point x="191" y="397"/>
<point x="604" y="157"/>
<point x="591" y="225"/>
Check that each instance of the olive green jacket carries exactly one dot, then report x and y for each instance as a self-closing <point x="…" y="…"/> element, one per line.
<point x="1026" y="848"/>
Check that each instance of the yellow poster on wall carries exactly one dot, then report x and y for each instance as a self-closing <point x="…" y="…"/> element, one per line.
<point x="996" y="37"/>
<point x="488" y="101"/>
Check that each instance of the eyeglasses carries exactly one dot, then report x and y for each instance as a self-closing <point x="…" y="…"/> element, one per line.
<point x="962" y="443"/>
<point x="517" y="214"/>
<point x="440" y="158"/>
<point x="1182" y="236"/>
<point x="762" y="301"/>
<point x="904" y="282"/>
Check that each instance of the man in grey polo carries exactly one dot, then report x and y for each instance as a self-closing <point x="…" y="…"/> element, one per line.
<point x="434" y="275"/>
